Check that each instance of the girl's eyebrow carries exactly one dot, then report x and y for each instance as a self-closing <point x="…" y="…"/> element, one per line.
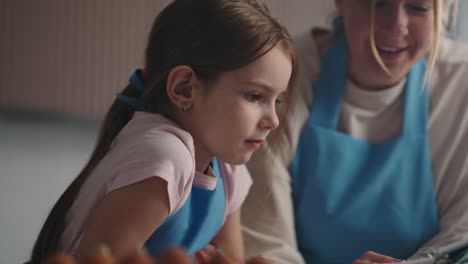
<point x="428" y="2"/>
<point x="265" y="86"/>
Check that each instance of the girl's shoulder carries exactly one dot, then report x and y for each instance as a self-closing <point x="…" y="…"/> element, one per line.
<point x="151" y="145"/>
<point x="154" y="132"/>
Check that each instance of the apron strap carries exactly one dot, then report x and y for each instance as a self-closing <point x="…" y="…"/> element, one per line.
<point x="417" y="111"/>
<point x="328" y="93"/>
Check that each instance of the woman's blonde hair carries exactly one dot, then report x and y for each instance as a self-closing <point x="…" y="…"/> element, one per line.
<point x="445" y="14"/>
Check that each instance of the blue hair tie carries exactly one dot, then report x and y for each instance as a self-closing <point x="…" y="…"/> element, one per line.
<point x="137" y="80"/>
<point x="338" y="24"/>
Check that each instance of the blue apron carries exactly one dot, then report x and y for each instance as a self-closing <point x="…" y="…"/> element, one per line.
<point x="195" y="224"/>
<point x="351" y="196"/>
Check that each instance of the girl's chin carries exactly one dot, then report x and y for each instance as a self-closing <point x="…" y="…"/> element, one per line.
<point x="239" y="160"/>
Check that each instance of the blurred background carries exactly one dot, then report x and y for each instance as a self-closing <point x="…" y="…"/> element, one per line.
<point x="61" y="64"/>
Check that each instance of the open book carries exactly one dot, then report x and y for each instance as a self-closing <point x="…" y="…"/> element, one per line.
<point x="455" y="253"/>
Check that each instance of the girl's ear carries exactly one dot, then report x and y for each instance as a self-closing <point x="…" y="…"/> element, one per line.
<point x="179" y="86"/>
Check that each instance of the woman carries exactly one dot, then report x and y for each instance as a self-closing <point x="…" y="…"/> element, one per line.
<point x="375" y="154"/>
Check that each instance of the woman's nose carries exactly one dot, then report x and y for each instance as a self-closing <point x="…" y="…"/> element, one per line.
<point x="394" y="21"/>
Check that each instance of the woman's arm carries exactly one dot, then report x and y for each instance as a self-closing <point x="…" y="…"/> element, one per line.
<point x="452" y="201"/>
<point x="126" y="217"/>
<point x="267" y="213"/>
<point x="448" y="132"/>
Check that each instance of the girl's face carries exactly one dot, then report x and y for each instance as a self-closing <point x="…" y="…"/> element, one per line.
<point x="232" y="116"/>
<point x="403" y="35"/>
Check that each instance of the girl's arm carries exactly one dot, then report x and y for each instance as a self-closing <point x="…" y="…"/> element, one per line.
<point x="229" y="238"/>
<point x="126" y="217"/>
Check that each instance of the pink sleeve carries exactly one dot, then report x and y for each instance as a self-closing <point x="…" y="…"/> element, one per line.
<point x="162" y="155"/>
<point x="237" y="182"/>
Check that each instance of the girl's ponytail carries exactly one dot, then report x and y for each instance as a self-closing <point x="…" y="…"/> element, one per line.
<point x="116" y="118"/>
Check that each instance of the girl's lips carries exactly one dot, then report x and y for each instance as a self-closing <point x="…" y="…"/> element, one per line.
<point x="255" y="143"/>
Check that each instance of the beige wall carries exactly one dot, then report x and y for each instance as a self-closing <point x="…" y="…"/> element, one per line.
<point x="72" y="56"/>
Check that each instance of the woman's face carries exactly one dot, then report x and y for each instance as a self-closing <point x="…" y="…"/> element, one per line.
<point x="403" y="35"/>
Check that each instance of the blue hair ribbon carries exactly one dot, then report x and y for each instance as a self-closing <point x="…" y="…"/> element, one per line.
<point x="137" y="80"/>
<point x="338" y="24"/>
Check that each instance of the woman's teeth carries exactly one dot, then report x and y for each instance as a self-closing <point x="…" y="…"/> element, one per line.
<point x="390" y="49"/>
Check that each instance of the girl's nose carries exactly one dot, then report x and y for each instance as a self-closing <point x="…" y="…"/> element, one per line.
<point x="270" y="120"/>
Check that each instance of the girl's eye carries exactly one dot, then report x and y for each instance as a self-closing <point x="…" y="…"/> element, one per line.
<point x="279" y="101"/>
<point x="253" y="97"/>
<point x="418" y="8"/>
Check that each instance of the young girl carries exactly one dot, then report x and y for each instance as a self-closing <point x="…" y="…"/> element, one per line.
<point x="214" y="74"/>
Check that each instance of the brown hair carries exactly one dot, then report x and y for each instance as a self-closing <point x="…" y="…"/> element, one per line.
<point x="210" y="36"/>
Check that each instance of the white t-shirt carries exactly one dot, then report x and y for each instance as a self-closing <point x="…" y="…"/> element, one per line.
<point x="373" y="116"/>
<point x="150" y="145"/>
